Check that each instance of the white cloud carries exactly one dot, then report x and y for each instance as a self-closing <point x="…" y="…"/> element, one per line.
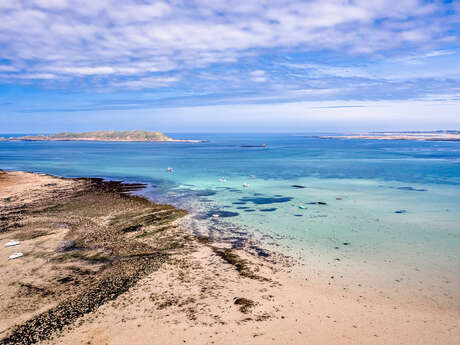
<point x="259" y="76"/>
<point x="317" y="91"/>
<point x="100" y="70"/>
<point x="6" y="68"/>
<point x="320" y="70"/>
<point x="44" y="76"/>
<point x="108" y="37"/>
<point x="52" y="4"/>
<point x="148" y="82"/>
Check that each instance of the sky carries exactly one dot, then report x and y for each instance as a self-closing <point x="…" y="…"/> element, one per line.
<point x="229" y="65"/>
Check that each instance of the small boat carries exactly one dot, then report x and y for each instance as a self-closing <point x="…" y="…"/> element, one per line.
<point x="223" y="179"/>
<point x="170" y="169"/>
<point x="252" y="176"/>
<point x="245" y="185"/>
<point x="11" y="243"/>
<point x="15" y="256"/>
<point x="302" y="207"/>
<point x="215" y="215"/>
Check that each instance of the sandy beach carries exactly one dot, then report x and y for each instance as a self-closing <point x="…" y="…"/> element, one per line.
<point x="103" y="266"/>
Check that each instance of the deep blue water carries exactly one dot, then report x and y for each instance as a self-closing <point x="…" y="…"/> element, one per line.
<point x="285" y="157"/>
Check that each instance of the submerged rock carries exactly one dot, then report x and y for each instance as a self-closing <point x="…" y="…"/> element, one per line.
<point x="400" y="211"/>
<point x="412" y="189"/>
<point x="267" y="200"/>
<point x="223" y="214"/>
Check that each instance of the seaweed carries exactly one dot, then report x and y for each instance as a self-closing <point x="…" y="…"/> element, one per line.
<point x="245" y="305"/>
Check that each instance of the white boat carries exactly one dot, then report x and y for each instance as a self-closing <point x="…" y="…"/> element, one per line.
<point x="245" y="185"/>
<point x="11" y="243"/>
<point x="170" y="169"/>
<point x="252" y="176"/>
<point x="223" y="179"/>
<point x="15" y="256"/>
<point x="215" y="215"/>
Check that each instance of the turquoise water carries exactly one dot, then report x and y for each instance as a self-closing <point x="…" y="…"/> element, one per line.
<point x="391" y="206"/>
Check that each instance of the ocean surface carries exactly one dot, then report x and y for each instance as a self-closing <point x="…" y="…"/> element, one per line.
<point x="388" y="209"/>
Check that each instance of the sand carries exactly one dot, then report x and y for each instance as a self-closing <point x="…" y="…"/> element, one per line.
<point x="203" y="293"/>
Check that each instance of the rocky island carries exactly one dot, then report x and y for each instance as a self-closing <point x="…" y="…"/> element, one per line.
<point x="136" y="135"/>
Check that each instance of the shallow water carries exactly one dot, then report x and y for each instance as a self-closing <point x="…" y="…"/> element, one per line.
<point x="386" y="206"/>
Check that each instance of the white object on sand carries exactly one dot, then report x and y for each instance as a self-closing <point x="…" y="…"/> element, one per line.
<point x="15" y="256"/>
<point x="11" y="243"/>
<point x="245" y="185"/>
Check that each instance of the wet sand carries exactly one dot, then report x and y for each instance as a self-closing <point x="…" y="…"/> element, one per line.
<point x="102" y="266"/>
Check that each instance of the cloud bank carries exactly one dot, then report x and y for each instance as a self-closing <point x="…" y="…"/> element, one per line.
<point x="111" y="41"/>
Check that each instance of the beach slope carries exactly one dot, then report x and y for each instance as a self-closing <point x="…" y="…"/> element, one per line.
<point x="103" y="266"/>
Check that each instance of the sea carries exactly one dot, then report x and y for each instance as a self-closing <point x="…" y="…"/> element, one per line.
<point x="386" y="211"/>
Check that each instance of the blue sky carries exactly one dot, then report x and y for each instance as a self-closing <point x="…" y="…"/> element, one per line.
<point x="214" y="65"/>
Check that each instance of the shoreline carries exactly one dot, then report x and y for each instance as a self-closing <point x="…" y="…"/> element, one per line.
<point x="262" y="300"/>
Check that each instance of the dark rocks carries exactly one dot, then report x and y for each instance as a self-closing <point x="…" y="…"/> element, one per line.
<point x="67" y="246"/>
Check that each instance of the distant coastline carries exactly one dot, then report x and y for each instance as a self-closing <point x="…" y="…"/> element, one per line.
<point x="410" y="135"/>
<point x="124" y="136"/>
